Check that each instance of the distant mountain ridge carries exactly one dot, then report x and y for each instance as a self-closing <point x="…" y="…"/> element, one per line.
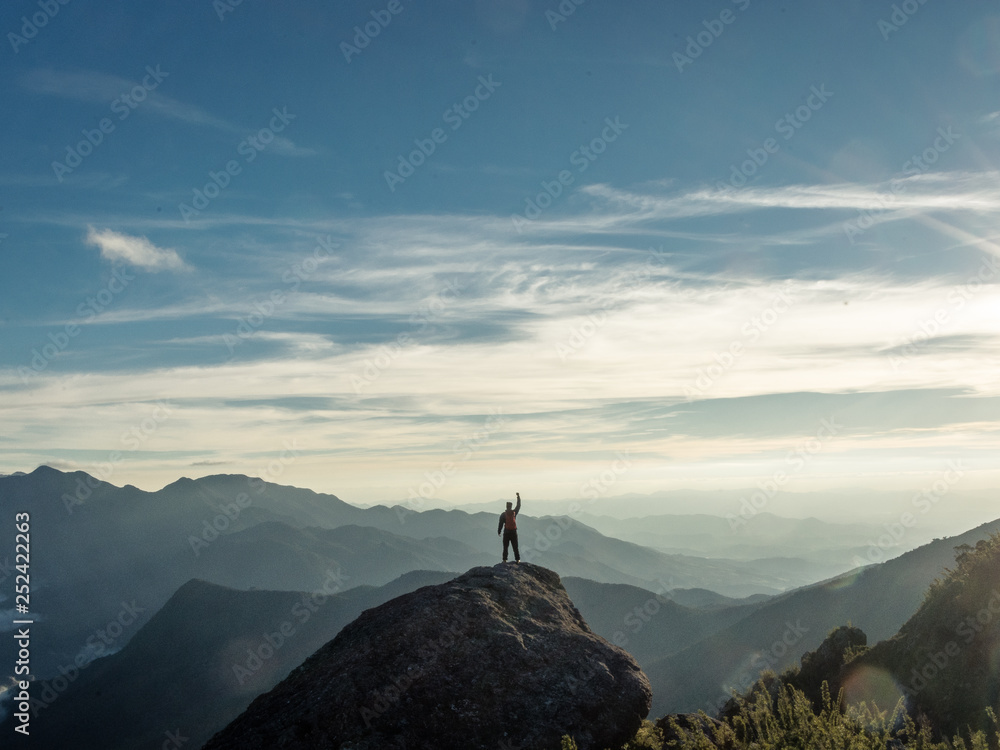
<point x="226" y="639"/>
<point x="98" y="548"/>
<point x="197" y="663"/>
<point x="650" y="626"/>
<point x="933" y="684"/>
<point x="230" y="645"/>
<point x="123" y="545"/>
<point x="723" y="503"/>
<point x="878" y="599"/>
<point x="101" y="550"/>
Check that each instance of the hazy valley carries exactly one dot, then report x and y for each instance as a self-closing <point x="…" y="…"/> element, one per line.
<point x="225" y="584"/>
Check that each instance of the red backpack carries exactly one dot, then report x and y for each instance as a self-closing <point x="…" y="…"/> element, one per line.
<point x="509" y="521"/>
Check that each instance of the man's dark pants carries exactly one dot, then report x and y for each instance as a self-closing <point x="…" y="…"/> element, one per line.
<point x="510" y="538"/>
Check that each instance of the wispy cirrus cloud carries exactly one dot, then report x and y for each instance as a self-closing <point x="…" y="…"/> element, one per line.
<point x="136" y="251"/>
<point x="92" y="86"/>
<point x="660" y="210"/>
<point x="622" y="382"/>
<point x="961" y="191"/>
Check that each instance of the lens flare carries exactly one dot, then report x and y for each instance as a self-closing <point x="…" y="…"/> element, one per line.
<point x="874" y="686"/>
<point x="844" y="581"/>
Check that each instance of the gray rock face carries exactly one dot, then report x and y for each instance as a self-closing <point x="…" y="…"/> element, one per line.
<point x="496" y="658"/>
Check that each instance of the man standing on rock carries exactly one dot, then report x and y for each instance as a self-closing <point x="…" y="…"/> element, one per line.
<point x="508" y="524"/>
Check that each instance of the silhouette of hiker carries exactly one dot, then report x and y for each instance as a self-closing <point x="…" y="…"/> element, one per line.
<point x="508" y="523"/>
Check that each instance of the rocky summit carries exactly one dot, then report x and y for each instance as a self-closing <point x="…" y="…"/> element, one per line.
<point x="496" y="658"/>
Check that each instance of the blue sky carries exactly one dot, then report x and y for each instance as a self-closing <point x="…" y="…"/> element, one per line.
<point x="501" y="245"/>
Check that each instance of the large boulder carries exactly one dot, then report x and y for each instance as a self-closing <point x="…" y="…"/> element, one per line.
<point x="496" y="658"/>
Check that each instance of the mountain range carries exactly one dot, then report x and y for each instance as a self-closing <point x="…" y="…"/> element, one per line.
<point x="197" y="663"/>
<point x="879" y="599"/>
<point x="99" y="549"/>
<point x="170" y="611"/>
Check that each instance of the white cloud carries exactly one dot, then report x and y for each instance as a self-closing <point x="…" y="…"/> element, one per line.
<point x="609" y="393"/>
<point x="136" y="251"/>
<point x="638" y="327"/>
<point x="957" y="191"/>
<point x="90" y="86"/>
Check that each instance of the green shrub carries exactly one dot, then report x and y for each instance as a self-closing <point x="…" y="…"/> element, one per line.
<point x="649" y="737"/>
<point x="790" y="723"/>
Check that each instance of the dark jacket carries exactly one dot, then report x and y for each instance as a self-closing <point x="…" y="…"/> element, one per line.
<point x="503" y="516"/>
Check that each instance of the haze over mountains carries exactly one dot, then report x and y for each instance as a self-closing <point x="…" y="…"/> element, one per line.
<point x="861" y="505"/>
<point x="221" y="647"/>
<point x="134" y="591"/>
<point x="878" y="599"/>
<point x="97" y="546"/>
